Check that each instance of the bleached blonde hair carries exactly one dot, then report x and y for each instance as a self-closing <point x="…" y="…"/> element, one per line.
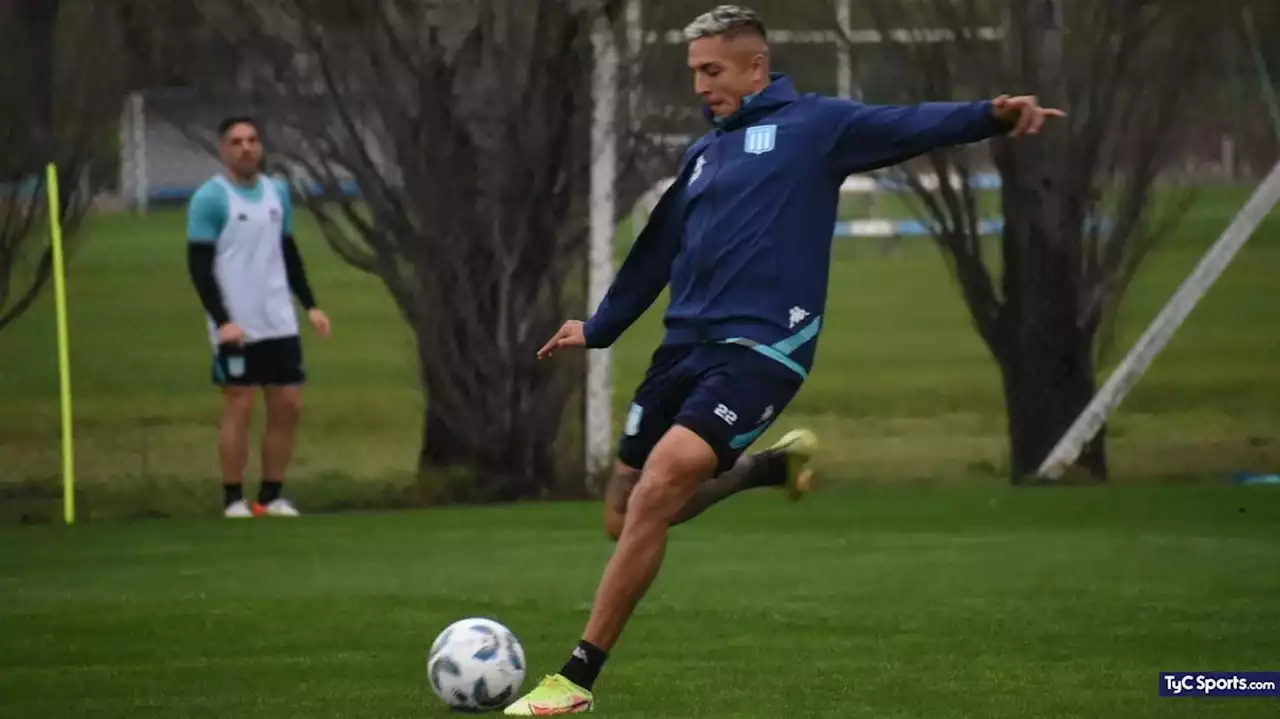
<point x="725" y="21"/>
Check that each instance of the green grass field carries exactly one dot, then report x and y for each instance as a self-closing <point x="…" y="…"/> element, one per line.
<point x="916" y="585"/>
<point x="874" y="602"/>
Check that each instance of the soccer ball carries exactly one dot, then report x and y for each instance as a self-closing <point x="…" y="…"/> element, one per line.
<point x="476" y="665"/>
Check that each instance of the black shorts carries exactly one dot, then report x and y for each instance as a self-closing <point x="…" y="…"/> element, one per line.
<point x="271" y="362"/>
<point x="727" y="394"/>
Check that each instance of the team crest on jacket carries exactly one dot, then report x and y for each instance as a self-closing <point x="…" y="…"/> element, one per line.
<point x="760" y="139"/>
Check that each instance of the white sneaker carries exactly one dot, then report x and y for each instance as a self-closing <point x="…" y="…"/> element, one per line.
<point x="238" y="509"/>
<point x="280" y="507"/>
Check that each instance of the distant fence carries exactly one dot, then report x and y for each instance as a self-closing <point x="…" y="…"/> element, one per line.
<point x="168" y="149"/>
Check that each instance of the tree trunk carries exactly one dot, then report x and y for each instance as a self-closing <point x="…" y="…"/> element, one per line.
<point x="1048" y="380"/>
<point x="492" y="414"/>
<point x="441" y="445"/>
<point x="1045" y="352"/>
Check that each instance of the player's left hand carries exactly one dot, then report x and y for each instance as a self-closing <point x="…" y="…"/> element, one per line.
<point x="320" y="321"/>
<point x="1024" y="112"/>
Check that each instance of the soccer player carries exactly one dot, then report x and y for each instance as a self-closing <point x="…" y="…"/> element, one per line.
<point x="244" y="263"/>
<point x="743" y="238"/>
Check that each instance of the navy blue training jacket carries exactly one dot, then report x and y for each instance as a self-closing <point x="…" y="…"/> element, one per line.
<point x="743" y="236"/>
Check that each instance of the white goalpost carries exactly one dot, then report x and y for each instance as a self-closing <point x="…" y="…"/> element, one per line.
<point x="1161" y="330"/>
<point x="598" y="431"/>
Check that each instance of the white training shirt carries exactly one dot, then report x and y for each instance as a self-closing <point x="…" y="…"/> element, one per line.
<point x="247" y="225"/>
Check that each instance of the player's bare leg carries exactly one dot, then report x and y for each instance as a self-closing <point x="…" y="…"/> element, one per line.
<point x="780" y="465"/>
<point x="284" y="410"/>
<point x="624" y="480"/>
<point x="678" y="464"/>
<point x="233" y="447"/>
<point x="616" y="496"/>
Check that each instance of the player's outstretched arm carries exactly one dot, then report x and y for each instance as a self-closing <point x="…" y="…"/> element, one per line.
<point x="643" y="275"/>
<point x="870" y="137"/>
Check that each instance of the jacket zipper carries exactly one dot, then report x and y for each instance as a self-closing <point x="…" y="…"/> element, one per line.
<point x="708" y="197"/>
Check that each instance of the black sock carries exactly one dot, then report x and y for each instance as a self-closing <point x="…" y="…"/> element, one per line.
<point x="584" y="665"/>
<point x="769" y="470"/>
<point x="232" y="493"/>
<point x="269" y="491"/>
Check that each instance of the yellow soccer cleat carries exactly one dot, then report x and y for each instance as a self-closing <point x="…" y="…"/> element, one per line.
<point x="799" y="446"/>
<point x="553" y="695"/>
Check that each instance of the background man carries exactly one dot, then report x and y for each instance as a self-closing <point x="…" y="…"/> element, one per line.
<point x="244" y="262"/>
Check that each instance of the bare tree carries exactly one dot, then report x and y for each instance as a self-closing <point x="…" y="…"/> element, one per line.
<point x="61" y="99"/>
<point x="465" y="127"/>
<point x="1079" y="201"/>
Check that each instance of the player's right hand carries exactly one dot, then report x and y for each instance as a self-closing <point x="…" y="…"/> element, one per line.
<point x="230" y="334"/>
<point x="569" y="335"/>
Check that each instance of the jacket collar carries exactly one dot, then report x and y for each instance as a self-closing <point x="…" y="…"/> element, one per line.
<point x="779" y="92"/>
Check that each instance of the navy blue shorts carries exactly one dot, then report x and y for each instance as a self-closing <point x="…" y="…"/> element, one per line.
<point x="725" y="393"/>
<point x="270" y="362"/>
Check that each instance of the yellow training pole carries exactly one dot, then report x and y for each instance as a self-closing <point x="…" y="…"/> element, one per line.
<point x="64" y="355"/>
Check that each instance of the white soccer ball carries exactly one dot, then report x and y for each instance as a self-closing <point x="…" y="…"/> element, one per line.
<point x="476" y="665"/>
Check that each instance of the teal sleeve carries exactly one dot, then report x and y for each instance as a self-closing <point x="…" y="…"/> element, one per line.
<point x="207" y="213"/>
<point x="286" y="201"/>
